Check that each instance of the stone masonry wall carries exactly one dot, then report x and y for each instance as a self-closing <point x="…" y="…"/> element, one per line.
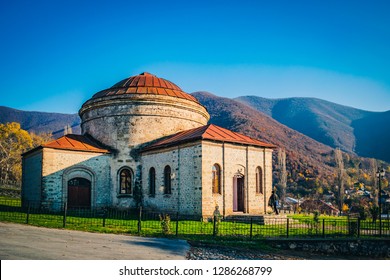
<point x="355" y="247"/>
<point x="59" y="166"/>
<point x="125" y="122"/>
<point x="185" y="163"/>
<point x="31" y="178"/>
<point x="232" y="159"/>
<point x="117" y="163"/>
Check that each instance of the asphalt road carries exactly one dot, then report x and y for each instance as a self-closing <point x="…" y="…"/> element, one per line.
<point x="23" y="242"/>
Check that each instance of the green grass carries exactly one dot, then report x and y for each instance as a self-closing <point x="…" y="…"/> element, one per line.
<point x="226" y="231"/>
<point x="148" y="227"/>
<point x="321" y="217"/>
<point x="3" y="200"/>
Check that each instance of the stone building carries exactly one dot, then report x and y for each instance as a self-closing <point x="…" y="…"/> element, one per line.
<point x="146" y="142"/>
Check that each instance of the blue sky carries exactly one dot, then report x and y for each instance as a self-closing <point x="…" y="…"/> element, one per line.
<point x="56" y="54"/>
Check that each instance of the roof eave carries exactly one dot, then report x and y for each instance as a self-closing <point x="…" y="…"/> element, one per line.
<point x="78" y="150"/>
<point x="32" y="151"/>
<point x="168" y="145"/>
<point x="177" y="143"/>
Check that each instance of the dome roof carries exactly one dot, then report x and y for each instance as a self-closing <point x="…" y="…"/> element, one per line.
<point x="145" y="83"/>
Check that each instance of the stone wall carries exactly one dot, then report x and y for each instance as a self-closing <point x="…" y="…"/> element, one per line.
<point x="31" y="177"/>
<point x="185" y="163"/>
<point x="59" y="166"/>
<point x="117" y="163"/>
<point x="126" y="121"/>
<point x="234" y="159"/>
<point x="192" y="177"/>
<point x="356" y="247"/>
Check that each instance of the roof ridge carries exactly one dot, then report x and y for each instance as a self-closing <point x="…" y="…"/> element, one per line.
<point x="75" y="142"/>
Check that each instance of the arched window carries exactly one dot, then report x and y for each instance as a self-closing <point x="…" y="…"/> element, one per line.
<point x="259" y="180"/>
<point x="167" y="180"/>
<point x="216" y="178"/>
<point x="125" y="181"/>
<point x="152" y="181"/>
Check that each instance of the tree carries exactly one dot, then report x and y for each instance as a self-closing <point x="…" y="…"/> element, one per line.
<point x="13" y="142"/>
<point x="39" y="139"/>
<point x="345" y="208"/>
<point x="340" y="177"/>
<point x="282" y="174"/>
<point x="373" y="170"/>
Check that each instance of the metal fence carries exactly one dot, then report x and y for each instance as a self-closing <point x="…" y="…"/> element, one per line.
<point x="137" y="221"/>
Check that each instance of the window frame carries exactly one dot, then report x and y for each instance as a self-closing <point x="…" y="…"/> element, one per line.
<point x="259" y="180"/>
<point x="125" y="178"/>
<point x="152" y="181"/>
<point x="167" y="180"/>
<point x="216" y="179"/>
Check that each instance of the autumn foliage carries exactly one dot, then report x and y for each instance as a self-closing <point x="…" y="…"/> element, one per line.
<point x="13" y="142"/>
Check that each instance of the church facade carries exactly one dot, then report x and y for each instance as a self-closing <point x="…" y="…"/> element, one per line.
<point x="147" y="143"/>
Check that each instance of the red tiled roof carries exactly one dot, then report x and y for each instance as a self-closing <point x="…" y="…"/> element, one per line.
<point x="145" y="83"/>
<point x="76" y="143"/>
<point x="207" y="132"/>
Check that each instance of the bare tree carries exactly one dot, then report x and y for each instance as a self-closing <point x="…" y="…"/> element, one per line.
<point x="373" y="170"/>
<point x="340" y="177"/>
<point x="282" y="174"/>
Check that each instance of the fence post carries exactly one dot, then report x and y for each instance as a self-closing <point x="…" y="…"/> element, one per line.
<point x="28" y="213"/>
<point x="323" y="228"/>
<point x="139" y="219"/>
<point x="288" y="226"/>
<point x="214" y="226"/>
<point x="177" y="223"/>
<point x="251" y="232"/>
<point x="65" y="212"/>
<point x="104" y="218"/>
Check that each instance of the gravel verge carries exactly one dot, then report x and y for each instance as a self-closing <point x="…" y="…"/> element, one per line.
<point x="199" y="251"/>
<point x="202" y="251"/>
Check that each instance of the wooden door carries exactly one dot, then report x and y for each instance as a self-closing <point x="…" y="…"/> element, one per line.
<point x="238" y="193"/>
<point x="79" y="193"/>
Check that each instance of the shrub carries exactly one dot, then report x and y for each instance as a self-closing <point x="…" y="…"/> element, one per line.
<point x="165" y="222"/>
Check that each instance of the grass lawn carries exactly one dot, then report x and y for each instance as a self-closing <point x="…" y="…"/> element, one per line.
<point x="321" y="217"/>
<point x="298" y="225"/>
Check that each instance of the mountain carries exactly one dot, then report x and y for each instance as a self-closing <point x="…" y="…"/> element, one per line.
<point x="373" y="135"/>
<point x="41" y="122"/>
<point x="310" y="163"/>
<point x="303" y="152"/>
<point x="335" y="125"/>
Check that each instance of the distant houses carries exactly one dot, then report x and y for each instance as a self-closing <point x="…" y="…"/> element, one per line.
<point x="312" y="205"/>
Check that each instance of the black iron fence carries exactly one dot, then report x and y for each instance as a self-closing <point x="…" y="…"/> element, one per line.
<point x="138" y="221"/>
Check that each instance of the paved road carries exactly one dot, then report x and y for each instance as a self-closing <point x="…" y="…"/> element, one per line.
<point x="23" y="242"/>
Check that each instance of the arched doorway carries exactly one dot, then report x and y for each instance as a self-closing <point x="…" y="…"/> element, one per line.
<point x="238" y="192"/>
<point x="79" y="193"/>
